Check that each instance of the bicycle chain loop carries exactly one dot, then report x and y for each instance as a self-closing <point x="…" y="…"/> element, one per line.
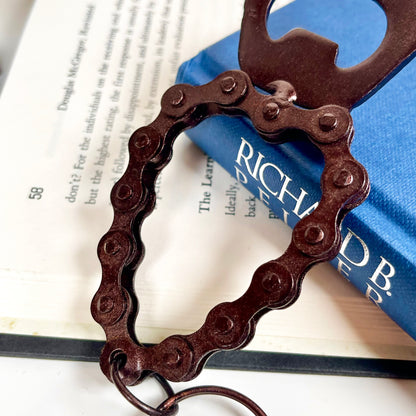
<point x="307" y="61"/>
<point x="276" y="284"/>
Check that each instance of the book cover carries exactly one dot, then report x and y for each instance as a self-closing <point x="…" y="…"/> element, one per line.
<point x="378" y="254"/>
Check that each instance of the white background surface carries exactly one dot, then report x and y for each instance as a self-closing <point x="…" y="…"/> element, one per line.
<point x="43" y="387"/>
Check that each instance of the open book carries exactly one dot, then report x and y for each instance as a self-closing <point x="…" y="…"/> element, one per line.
<point x="85" y="76"/>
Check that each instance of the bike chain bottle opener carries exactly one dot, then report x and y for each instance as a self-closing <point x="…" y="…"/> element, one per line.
<point x="299" y="67"/>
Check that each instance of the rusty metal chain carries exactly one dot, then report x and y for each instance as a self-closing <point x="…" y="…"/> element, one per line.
<point x="276" y="284"/>
<point x="308" y="62"/>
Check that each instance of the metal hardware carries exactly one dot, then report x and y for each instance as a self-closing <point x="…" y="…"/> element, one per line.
<point x="169" y="407"/>
<point x="307" y="60"/>
<point x="170" y="410"/>
<point x="316" y="238"/>
<point x="276" y="284"/>
<point x="212" y="390"/>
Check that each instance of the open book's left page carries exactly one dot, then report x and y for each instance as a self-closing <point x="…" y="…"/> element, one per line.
<point x="85" y="76"/>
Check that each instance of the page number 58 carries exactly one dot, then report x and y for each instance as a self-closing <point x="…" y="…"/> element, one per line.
<point x="35" y="192"/>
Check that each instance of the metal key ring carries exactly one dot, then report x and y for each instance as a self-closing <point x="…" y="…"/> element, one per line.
<point x="170" y="406"/>
<point x="132" y="399"/>
<point x="173" y="400"/>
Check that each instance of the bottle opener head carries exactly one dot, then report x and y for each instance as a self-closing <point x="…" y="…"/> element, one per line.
<point x="308" y="61"/>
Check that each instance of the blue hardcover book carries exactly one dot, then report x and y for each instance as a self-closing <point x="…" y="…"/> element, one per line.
<point x="378" y="254"/>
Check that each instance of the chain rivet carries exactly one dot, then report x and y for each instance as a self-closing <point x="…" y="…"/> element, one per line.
<point x="173" y="359"/>
<point x="314" y="234"/>
<point x="271" y="282"/>
<point x="124" y="192"/>
<point x="224" y="324"/>
<point x="142" y="140"/>
<point x="177" y="98"/>
<point x="270" y="110"/>
<point x="328" y="122"/>
<point x="105" y="304"/>
<point x="112" y="247"/>
<point x="228" y="85"/>
<point x="342" y="178"/>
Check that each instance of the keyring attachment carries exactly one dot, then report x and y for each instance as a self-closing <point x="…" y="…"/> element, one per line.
<point x="170" y="410"/>
<point x="170" y="406"/>
<point x="212" y="390"/>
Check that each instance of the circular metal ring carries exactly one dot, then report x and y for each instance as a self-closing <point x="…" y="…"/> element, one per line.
<point x="173" y="400"/>
<point x="132" y="399"/>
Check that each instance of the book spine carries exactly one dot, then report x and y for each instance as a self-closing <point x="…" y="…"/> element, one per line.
<point x="287" y="182"/>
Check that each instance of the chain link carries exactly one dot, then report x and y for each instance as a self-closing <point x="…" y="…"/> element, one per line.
<point x="307" y="61"/>
<point x="276" y="284"/>
<point x="169" y="407"/>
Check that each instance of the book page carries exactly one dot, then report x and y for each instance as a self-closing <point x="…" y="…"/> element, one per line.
<point x="14" y="15"/>
<point x="86" y="75"/>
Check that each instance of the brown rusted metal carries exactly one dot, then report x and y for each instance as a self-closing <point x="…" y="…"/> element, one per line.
<point x="307" y="60"/>
<point x="169" y="407"/>
<point x="211" y="390"/>
<point x="276" y="284"/>
<point x="316" y="238"/>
